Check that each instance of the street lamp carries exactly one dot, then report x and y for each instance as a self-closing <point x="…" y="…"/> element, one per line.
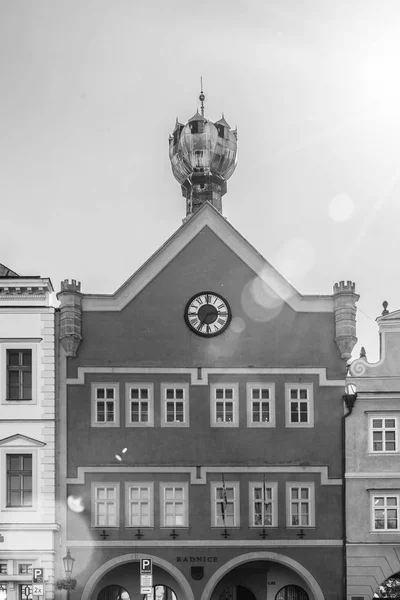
<point x="68" y="583"/>
<point x="68" y="564"/>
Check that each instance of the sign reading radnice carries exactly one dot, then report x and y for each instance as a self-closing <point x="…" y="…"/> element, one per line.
<point x="196" y="559"/>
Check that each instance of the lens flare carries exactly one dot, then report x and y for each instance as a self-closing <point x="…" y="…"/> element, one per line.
<point x="259" y="301"/>
<point x="341" y="207"/>
<point x="296" y="258"/>
<point x="75" y="503"/>
<point x="237" y="325"/>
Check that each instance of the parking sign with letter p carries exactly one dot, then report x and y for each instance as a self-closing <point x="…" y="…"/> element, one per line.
<point x="146" y="565"/>
<point x="37" y="575"/>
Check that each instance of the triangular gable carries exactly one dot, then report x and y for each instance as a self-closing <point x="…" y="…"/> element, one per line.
<point x="393" y="316"/>
<point x="19" y="440"/>
<point x="209" y="217"/>
<point x="6" y="272"/>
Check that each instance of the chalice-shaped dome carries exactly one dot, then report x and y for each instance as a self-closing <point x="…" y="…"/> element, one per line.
<point x="203" y="156"/>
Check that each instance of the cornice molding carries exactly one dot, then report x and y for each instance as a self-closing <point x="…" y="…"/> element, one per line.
<point x="199" y="476"/>
<point x="200" y="376"/>
<point x="202" y="543"/>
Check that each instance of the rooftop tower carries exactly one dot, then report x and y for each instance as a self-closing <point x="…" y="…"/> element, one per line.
<point x="203" y="157"/>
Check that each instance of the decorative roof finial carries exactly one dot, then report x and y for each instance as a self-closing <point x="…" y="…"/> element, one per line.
<point x="202" y="97"/>
<point x="385" y="310"/>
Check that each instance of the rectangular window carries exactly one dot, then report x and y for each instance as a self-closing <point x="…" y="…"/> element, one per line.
<point x="139" y="405"/>
<point x="105" y="405"/>
<point x="140" y="504"/>
<point x="19" y="374"/>
<point x="385" y="512"/>
<point x="105" y="505"/>
<point x="299" y="405"/>
<point x="175" y="405"/>
<point x="383" y="434"/>
<point x="260" y="405"/>
<point x="25" y="569"/>
<point x="224" y="405"/>
<point x="19" y="480"/>
<point x="3" y="568"/>
<point x="225" y="504"/>
<point x="300" y="504"/>
<point x="263" y="504"/>
<point x="174" y="504"/>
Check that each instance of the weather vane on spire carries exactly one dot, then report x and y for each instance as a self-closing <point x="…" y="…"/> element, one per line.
<point x="202" y="97"/>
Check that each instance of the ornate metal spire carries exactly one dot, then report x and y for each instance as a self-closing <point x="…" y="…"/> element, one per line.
<point x="202" y="97"/>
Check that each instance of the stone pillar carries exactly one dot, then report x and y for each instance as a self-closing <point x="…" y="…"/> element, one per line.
<point x="70" y="298"/>
<point x="345" y="299"/>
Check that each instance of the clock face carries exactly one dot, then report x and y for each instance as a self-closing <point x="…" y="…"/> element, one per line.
<point x="207" y="314"/>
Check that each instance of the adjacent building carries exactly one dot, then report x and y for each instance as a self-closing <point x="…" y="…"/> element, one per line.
<point x="27" y="434"/>
<point x="372" y="465"/>
<point x="201" y="413"/>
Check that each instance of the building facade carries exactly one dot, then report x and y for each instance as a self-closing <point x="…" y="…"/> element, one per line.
<point x="201" y="413"/>
<point x="27" y="434"/>
<point x="373" y="468"/>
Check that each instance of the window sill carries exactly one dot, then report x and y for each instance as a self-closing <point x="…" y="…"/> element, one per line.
<point x="174" y="527"/>
<point x="258" y="527"/>
<point x="299" y="425"/>
<point x="18" y="399"/>
<point x="173" y="424"/>
<point x="221" y="527"/>
<point x="385" y="531"/>
<point x="19" y="509"/>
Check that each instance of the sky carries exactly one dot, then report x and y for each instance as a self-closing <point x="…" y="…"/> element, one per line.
<point x="89" y="93"/>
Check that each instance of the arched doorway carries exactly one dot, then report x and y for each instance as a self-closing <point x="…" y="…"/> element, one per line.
<point x="260" y="572"/>
<point x="124" y="571"/>
<point x="390" y="588"/>
<point x="292" y="592"/>
<point x="113" y="592"/>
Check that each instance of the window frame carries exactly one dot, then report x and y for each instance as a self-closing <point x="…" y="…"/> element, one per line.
<point x="174" y="484"/>
<point x="214" y="400"/>
<point x="22" y="473"/>
<point x="164" y="400"/>
<point x="116" y="401"/>
<point x="311" y="494"/>
<point x="310" y="402"/>
<point x="379" y="494"/>
<point x="250" y="386"/>
<point x="5" y="451"/>
<point x="128" y="400"/>
<point x="105" y="484"/>
<point x="19" y="345"/>
<point x="139" y="484"/>
<point x="274" y="502"/>
<point x="236" y="503"/>
<point x="382" y="416"/>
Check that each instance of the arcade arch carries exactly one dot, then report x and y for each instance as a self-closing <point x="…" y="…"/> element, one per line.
<point x="90" y="590"/>
<point x="303" y="575"/>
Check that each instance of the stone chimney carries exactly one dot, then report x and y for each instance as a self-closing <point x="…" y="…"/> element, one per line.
<point x="70" y="298"/>
<point x="345" y="299"/>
